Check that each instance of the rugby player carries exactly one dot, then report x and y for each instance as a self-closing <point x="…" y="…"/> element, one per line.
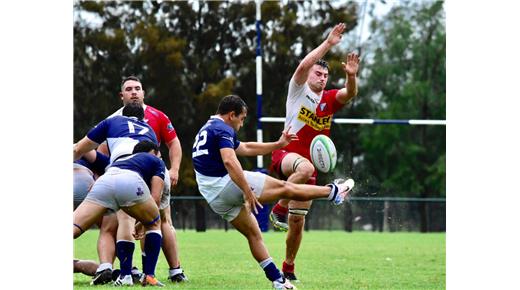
<point x="309" y="112"/>
<point x="133" y="183"/>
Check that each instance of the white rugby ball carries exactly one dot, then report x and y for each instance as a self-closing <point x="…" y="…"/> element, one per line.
<point x="323" y="153"/>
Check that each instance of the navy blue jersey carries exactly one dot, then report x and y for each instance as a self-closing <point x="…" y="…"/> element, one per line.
<point x="122" y="134"/>
<point x="145" y="164"/>
<point x="213" y="136"/>
<point x="98" y="166"/>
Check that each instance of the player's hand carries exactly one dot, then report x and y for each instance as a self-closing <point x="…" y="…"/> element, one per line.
<point x="251" y="202"/>
<point x="138" y="232"/>
<point x="174" y="177"/>
<point x="352" y="65"/>
<point x="287" y="138"/>
<point x="336" y="34"/>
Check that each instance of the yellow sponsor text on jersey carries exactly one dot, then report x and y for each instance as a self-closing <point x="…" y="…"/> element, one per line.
<point x="317" y="123"/>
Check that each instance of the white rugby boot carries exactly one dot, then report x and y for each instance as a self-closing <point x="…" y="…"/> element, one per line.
<point x="124" y="281"/>
<point x="282" y="286"/>
<point x="343" y="189"/>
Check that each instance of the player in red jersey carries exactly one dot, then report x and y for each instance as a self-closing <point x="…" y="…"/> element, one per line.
<point x="309" y="111"/>
<point x="132" y="92"/>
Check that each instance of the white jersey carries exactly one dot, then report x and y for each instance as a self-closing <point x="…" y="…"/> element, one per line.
<point x="308" y="114"/>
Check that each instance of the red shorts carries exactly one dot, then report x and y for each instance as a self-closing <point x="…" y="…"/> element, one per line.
<point x="276" y="166"/>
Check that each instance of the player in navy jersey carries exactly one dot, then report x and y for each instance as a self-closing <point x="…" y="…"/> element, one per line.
<point x="85" y="171"/>
<point x="133" y="183"/>
<point x="233" y="192"/>
<point x="121" y="134"/>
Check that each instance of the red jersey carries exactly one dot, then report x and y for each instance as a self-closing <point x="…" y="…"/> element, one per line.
<point x="308" y="114"/>
<point x="159" y="122"/>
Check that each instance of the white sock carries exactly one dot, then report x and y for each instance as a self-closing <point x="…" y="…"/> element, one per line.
<point x="104" y="266"/>
<point x="175" y="271"/>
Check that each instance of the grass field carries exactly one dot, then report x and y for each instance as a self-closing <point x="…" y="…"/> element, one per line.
<point x="327" y="260"/>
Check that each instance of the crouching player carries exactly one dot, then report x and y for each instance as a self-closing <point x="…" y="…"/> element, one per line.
<point x="134" y="184"/>
<point x="86" y="171"/>
<point x="226" y="186"/>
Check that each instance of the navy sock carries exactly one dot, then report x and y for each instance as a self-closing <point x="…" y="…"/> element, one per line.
<point x="125" y="252"/>
<point x="152" y="248"/>
<point x="271" y="271"/>
<point x="143" y="259"/>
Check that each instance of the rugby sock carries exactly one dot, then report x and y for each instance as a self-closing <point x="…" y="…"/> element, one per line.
<point x="104" y="266"/>
<point x="280" y="210"/>
<point x="143" y="258"/>
<point x="125" y="252"/>
<point x="175" y="271"/>
<point x="271" y="272"/>
<point x="333" y="191"/>
<point x="152" y="248"/>
<point x="286" y="268"/>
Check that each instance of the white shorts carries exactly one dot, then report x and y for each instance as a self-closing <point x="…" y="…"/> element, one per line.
<point x="119" y="188"/>
<point x="165" y="198"/>
<point x="229" y="198"/>
<point x="83" y="179"/>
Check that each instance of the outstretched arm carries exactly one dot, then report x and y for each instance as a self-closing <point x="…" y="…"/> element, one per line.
<point x="351" y="68"/>
<point x="334" y="37"/>
<point x="261" y="148"/>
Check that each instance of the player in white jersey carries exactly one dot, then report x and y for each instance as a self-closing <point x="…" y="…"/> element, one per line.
<point x="234" y="193"/>
<point x="309" y="112"/>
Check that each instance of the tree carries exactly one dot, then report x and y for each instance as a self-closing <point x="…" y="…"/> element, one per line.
<point x="406" y="79"/>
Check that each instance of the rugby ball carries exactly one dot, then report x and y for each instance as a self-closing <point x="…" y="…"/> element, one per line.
<point x="323" y="153"/>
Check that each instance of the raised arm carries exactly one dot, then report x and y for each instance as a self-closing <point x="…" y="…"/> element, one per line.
<point x="334" y="37"/>
<point x="260" y="148"/>
<point x="83" y="146"/>
<point x="236" y="174"/>
<point x="351" y="68"/>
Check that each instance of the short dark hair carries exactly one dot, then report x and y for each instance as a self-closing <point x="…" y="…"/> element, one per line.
<point x="231" y="103"/>
<point x="130" y="78"/>
<point x="322" y="63"/>
<point x="133" y="110"/>
<point x="145" y="146"/>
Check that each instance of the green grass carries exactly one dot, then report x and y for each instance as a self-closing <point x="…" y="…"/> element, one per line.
<point x="326" y="260"/>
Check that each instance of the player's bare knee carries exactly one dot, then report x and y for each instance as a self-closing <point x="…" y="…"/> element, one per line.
<point x="296" y="221"/>
<point x="152" y="224"/>
<point x="305" y="170"/>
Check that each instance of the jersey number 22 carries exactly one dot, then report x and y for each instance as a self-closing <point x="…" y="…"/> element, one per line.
<point x="200" y="140"/>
